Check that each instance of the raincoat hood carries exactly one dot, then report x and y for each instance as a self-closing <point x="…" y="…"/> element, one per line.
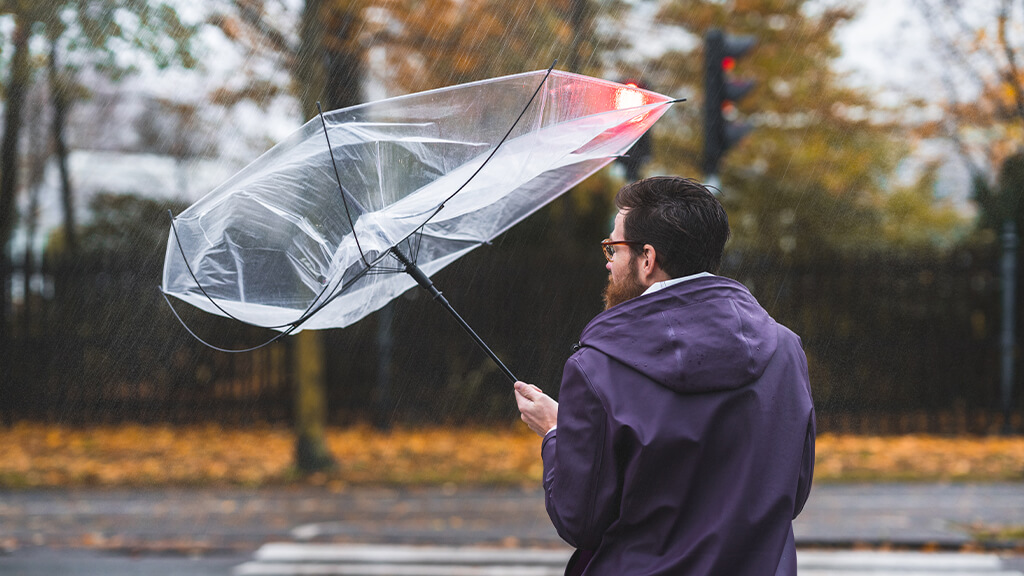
<point x="702" y="335"/>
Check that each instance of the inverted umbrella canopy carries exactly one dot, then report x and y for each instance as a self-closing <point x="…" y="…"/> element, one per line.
<point x="313" y="235"/>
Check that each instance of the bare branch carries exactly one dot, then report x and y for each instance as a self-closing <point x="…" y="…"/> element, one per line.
<point x="947" y="44"/>
<point x="252" y="13"/>
<point x="1011" y="76"/>
<point x="952" y="129"/>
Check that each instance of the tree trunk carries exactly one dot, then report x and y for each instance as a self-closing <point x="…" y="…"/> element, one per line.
<point x="308" y="71"/>
<point x="58" y="94"/>
<point x="311" y="453"/>
<point x="16" y="88"/>
<point x="27" y="266"/>
<point x="328" y="67"/>
<point x="38" y="154"/>
<point x="342" y="55"/>
<point x="579" y="17"/>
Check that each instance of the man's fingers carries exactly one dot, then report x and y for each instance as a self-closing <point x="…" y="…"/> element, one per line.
<point x="524" y="390"/>
<point x="522" y="402"/>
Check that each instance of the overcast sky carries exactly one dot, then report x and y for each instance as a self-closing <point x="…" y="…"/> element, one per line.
<point x="888" y="46"/>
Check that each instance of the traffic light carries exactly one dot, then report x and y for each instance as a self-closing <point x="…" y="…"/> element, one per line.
<point x="721" y="130"/>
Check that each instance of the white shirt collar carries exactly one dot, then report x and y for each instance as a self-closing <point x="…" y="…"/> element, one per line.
<point x="661" y="285"/>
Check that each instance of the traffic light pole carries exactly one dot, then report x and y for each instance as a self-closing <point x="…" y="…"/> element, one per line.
<point x="720" y="93"/>
<point x="1007" y="339"/>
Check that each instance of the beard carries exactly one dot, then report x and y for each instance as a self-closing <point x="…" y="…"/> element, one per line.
<point x="628" y="288"/>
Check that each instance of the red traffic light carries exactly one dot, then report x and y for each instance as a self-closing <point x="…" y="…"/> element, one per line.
<point x="728" y="63"/>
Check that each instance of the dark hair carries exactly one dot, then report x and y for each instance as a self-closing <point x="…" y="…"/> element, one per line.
<point x="680" y="217"/>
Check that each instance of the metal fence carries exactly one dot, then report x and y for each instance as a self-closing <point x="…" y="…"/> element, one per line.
<point x="896" y="343"/>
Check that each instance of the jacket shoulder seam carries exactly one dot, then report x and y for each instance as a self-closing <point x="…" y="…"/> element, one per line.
<point x="586" y="377"/>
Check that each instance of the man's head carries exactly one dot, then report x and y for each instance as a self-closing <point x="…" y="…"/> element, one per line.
<point x="672" y="227"/>
<point x="681" y="218"/>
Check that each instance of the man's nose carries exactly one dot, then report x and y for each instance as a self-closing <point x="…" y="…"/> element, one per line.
<point x="608" y="266"/>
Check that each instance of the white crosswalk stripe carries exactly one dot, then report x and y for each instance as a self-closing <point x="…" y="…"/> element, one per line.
<point x="283" y="559"/>
<point x="844" y="563"/>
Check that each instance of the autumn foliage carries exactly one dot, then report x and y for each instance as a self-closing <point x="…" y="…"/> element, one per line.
<point x="132" y="455"/>
<point x="918" y="457"/>
<point x="39" y="455"/>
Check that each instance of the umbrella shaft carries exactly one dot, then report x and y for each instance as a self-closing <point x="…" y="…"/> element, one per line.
<point x="424" y="281"/>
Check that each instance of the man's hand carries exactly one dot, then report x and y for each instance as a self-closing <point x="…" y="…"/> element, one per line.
<point x="538" y="410"/>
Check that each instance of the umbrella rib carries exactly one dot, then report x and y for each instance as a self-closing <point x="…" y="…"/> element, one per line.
<point x="277" y="337"/>
<point x="417" y="243"/>
<point x="291" y="327"/>
<point x="337" y="177"/>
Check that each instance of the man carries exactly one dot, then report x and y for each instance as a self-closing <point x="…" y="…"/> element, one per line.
<point x="685" y="436"/>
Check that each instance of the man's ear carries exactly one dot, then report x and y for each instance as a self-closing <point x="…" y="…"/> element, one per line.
<point x="648" y="262"/>
<point x="649" y="269"/>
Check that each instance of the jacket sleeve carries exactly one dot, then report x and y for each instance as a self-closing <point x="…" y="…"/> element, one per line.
<point x="581" y="490"/>
<point x="803" y="488"/>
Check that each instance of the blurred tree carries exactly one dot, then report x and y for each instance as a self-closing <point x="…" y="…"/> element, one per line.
<point x="174" y="129"/>
<point x="17" y="85"/>
<point x="327" y="67"/>
<point x="434" y="43"/>
<point x="981" y="47"/>
<point x="98" y="30"/>
<point x="37" y="153"/>
<point x="1008" y="202"/>
<point x="911" y="217"/>
<point x="813" y="173"/>
<point x="62" y="89"/>
<point x="326" y="64"/>
<point x="128" y="226"/>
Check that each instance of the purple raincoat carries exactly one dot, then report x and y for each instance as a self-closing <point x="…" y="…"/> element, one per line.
<point x="685" y="438"/>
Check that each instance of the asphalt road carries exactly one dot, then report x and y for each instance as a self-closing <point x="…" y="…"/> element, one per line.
<point x="205" y="531"/>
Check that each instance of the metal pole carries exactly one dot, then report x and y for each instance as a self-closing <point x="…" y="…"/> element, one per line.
<point x="714" y="182"/>
<point x="424" y="281"/>
<point x="384" y="346"/>
<point x="1009" y="269"/>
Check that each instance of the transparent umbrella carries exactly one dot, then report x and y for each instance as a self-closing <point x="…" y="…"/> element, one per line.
<point x="362" y="203"/>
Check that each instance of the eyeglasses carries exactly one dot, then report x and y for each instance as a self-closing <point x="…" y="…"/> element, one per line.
<point x="607" y="246"/>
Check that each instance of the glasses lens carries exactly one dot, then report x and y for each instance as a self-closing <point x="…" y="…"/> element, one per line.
<point x="609" y="250"/>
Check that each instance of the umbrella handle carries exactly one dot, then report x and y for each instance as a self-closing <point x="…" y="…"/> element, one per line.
<point x="424" y="281"/>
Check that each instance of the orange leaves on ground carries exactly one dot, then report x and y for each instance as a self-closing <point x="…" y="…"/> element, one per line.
<point x="133" y="455"/>
<point x="48" y="455"/>
<point x="437" y="456"/>
<point x="919" y="458"/>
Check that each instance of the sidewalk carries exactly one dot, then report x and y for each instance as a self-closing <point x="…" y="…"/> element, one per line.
<point x="208" y="521"/>
<point x="913" y="515"/>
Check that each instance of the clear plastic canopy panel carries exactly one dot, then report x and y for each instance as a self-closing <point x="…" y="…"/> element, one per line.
<point x="275" y="240"/>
